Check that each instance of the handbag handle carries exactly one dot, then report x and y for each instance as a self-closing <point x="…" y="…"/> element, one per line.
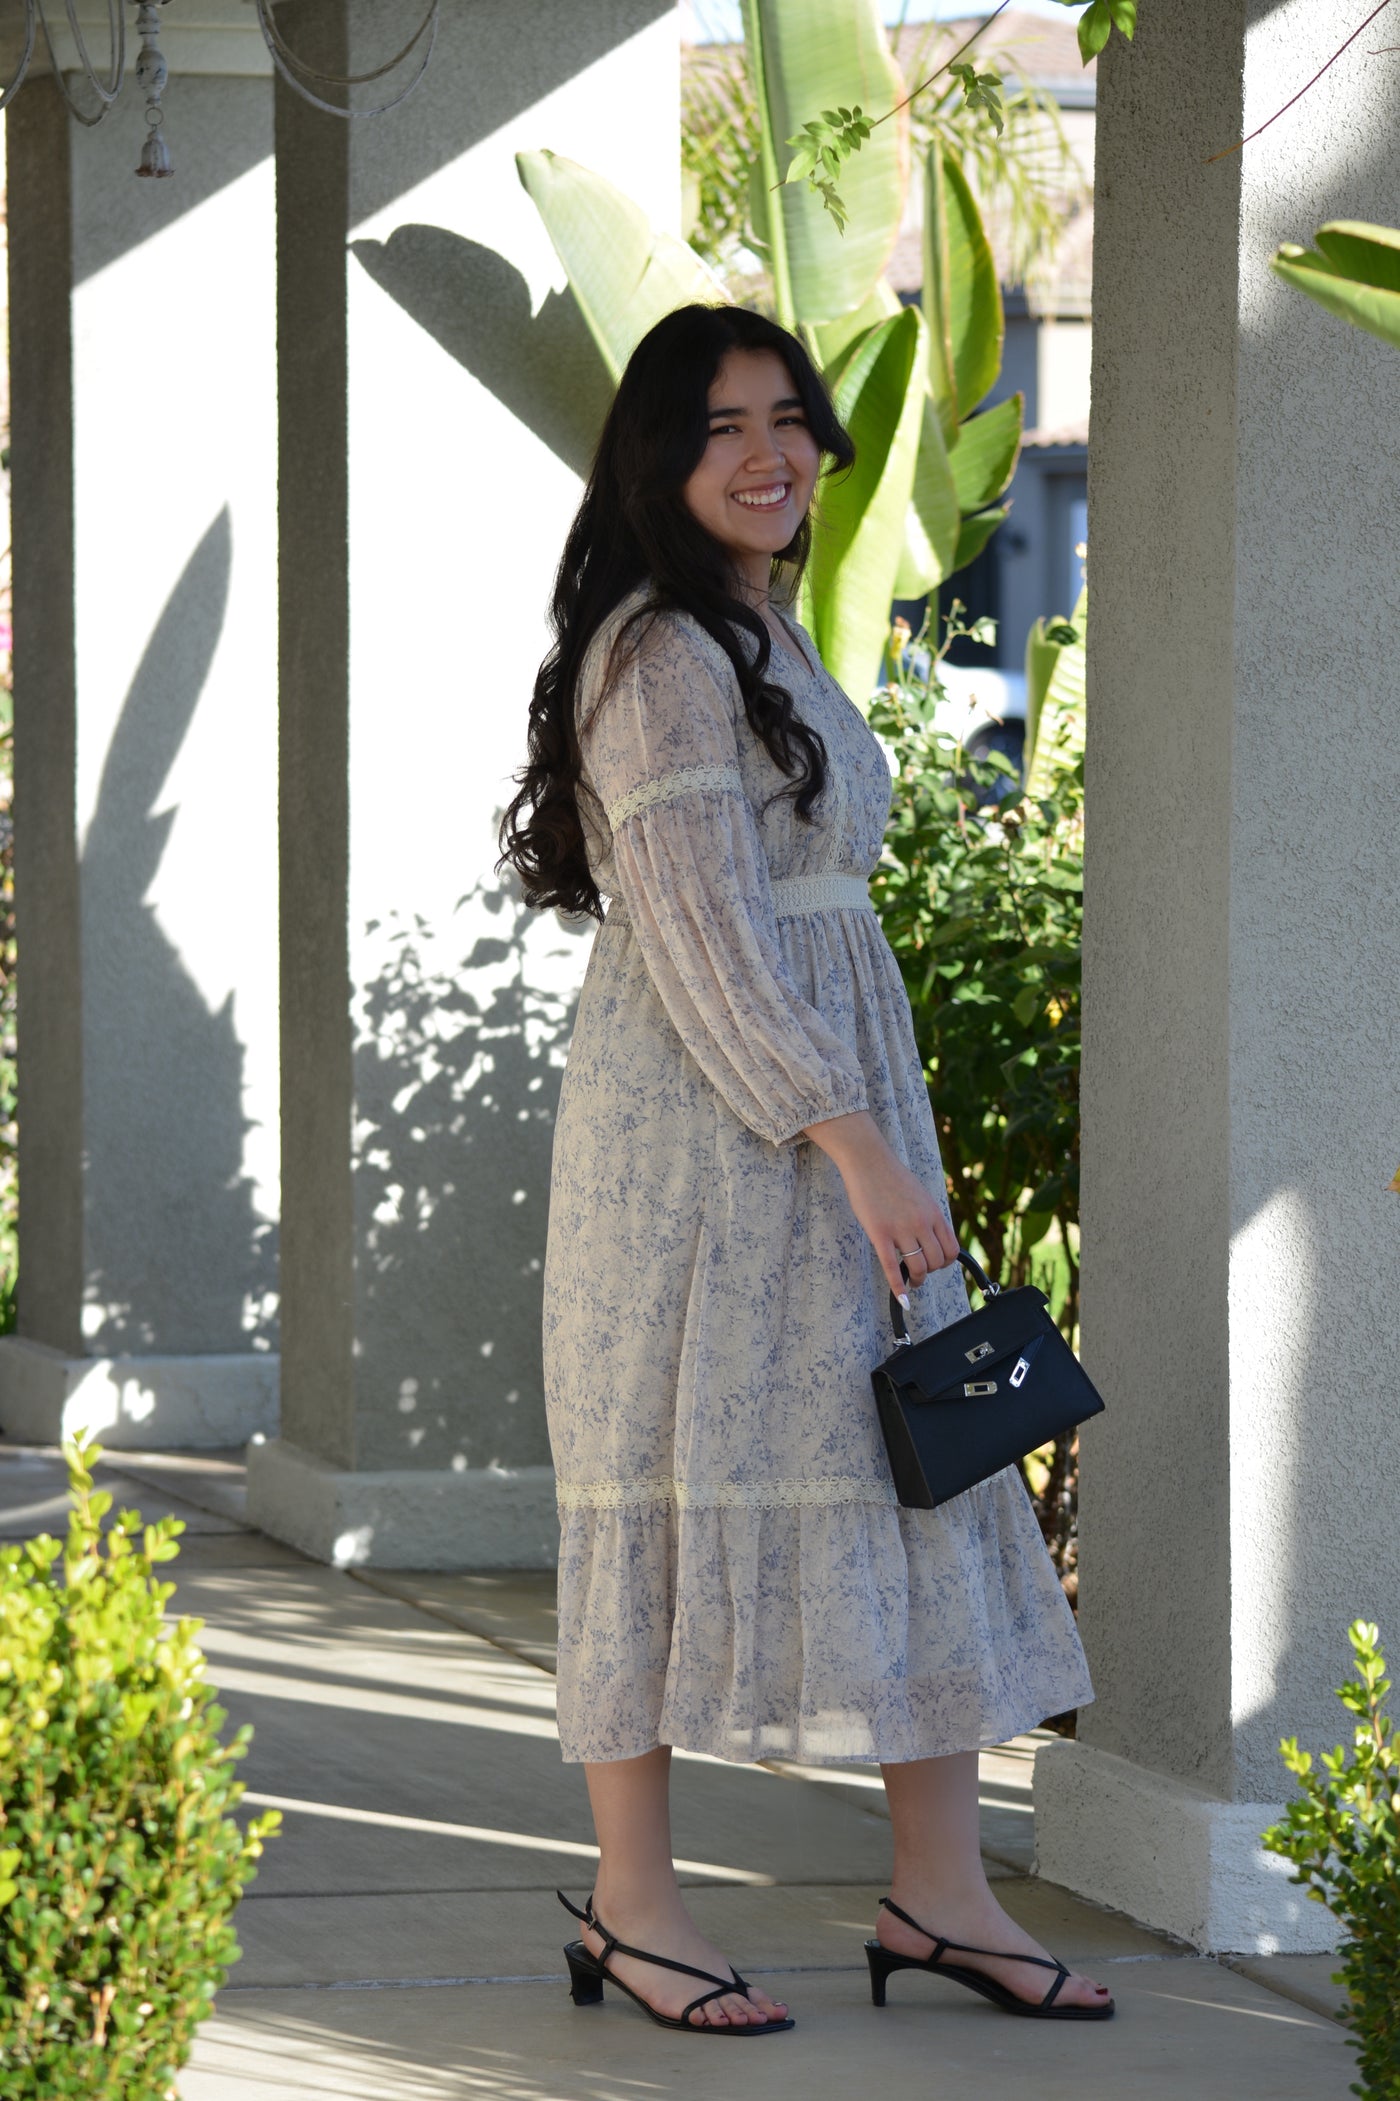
<point x="979" y="1276"/>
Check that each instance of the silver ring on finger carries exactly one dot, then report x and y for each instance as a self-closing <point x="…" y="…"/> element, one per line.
<point x="908" y="1254"/>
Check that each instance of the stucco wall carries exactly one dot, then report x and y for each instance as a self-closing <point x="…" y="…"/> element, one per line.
<point x="145" y="691"/>
<point x="1241" y="1499"/>
<point x="416" y="1189"/>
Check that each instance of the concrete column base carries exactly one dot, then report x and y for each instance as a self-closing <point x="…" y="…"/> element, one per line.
<point x="136" y="1403"/>
<point x="482" y="1517"/>
<point x="1170" y="1856"/>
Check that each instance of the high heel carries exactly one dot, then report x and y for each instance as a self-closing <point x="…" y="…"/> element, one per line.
<point x="587" y="1971"/>
<point x="585" y="1976"/>
<point x="885" y="1961"/>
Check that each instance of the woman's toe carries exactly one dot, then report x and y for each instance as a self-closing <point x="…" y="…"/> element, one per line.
<point x="1086" y="1992"/>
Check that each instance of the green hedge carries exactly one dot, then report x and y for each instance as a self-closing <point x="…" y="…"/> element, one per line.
<point x="119" y="1863"/>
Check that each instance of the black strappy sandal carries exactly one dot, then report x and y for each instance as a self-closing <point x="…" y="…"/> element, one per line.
<point x="883" y="1961"/>
<point x="586" y="1974"/>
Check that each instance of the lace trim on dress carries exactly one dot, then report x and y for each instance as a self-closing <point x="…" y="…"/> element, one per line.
<point x="614" y="1495"/>
<point x="687" y="780"/>
<point x="824" y="1492"/>
<point x="797" y="894"/>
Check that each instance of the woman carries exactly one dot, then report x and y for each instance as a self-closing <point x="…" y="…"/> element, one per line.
<point x="744" y="1158"/>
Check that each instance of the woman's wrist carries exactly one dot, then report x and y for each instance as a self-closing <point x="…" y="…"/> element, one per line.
<point x="848" y="1140"/>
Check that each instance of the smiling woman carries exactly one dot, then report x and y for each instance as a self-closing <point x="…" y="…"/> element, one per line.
<point x="745" y="1159"/>
<point x="759" y="468"/>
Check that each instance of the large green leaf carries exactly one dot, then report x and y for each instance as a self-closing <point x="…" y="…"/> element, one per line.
<point x="1356" y="274"/>
<point x="932" y="523"/>
<point x="1055" y="682"/>
<point x="937" y="298"/>
<point x="808" y="56"/>
<point x="832" y="338"/>
<point x="623" y="273"/>
<point x="859" y="521"/>
<point x="983" y="458"/>
<point x="962" y="299"/>
<point x="976" y="319"/>
<point x="974" y="533"/>
<point x="1369" y="254"/>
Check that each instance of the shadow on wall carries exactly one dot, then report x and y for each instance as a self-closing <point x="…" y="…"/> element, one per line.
<point x="545" y="367"/>
<point x="179" y="1257"/>
<point x="459" y="1057"/>
<point x="457" y="1072"/>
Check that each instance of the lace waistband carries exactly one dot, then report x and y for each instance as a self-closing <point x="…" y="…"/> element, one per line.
<point x="795" y="895"/>
<point x="821" y="893"/>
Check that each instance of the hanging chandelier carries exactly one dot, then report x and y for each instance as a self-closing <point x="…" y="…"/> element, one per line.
<point x="95" y="90"/>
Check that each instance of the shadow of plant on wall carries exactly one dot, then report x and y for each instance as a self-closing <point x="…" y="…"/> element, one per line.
<point x="458" y="1060"/>
<point x="544" y="367"/>
<point x="163" y="1077"/>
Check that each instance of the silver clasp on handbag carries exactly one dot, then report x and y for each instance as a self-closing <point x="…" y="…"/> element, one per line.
<point x="974" y="1387"/>
<point x="974" y="1356"/>
<point x="1023" y="1365"/>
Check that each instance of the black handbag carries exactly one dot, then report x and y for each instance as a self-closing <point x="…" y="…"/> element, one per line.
<point x="977" y="1396"/>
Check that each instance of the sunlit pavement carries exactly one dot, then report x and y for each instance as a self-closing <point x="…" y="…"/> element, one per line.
<point x="402" y="1941"/>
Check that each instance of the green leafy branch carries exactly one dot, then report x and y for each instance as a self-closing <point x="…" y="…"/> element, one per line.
<point x="1098" y="22"/>
<point x="1342" y="1835"/>
<point x="821" y="146"/>
<point x="981" y="91"/>
<point x="825" y="142"/>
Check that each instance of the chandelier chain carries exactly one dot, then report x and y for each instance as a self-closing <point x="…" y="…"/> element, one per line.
<point x="296" y="72"/>
<point x="107" y="92"/>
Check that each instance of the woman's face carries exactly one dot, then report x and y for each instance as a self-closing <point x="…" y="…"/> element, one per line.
<point x="759" y="467"/>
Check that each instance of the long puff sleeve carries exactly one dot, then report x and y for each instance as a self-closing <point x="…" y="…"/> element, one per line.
<point x="661" y="755"/>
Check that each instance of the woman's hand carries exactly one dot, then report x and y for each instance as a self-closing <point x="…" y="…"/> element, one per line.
<point x="901" y="1217"/>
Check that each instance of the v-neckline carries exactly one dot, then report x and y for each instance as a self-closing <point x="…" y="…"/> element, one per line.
<point x="792" y="647"/>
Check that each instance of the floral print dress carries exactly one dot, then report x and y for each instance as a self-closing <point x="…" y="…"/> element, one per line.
<point x="736" y="1576"/>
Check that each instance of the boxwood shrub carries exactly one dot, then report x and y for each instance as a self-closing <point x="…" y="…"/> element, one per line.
<point x="120" y="1865"/>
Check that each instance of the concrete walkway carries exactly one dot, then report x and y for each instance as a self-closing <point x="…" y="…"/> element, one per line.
<point x="402" y="1942"/>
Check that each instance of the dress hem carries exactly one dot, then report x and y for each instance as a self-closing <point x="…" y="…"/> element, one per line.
<point x="986" y="1741"/>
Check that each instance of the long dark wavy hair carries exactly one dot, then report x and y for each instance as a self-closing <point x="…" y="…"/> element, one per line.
<point x="633" y="527"/>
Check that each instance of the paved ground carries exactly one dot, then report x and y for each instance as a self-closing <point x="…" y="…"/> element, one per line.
<point x="402" y="1942"/>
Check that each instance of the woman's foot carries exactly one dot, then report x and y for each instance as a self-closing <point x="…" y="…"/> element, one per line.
<point x="977" y="1918"/>
<point x="666" y="1928"/>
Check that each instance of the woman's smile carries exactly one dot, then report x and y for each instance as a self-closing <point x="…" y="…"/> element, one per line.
<point x="770" y="497"/>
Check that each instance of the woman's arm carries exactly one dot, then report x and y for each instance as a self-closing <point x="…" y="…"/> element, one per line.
<point x="899" y="1215"/>
<point x="693" y="877"/>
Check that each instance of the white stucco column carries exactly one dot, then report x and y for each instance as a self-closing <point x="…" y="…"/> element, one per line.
<point x="438" y="398"/>
<point x="1241" y="1496"/>
<point x="143" y="501"/>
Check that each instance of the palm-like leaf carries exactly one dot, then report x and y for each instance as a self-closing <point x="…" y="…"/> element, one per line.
<point x="975" y="312"/>
<point x="933" y="524"/>
<point x="1055" y="668"/>
<point x="623" y="273"/>
<point x="858" y="530"/>
<point x="806" y="56"/>
<point x="1026" y="176"/>
<point x="1354" y="272"/>
<point x="984" y="454"/>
